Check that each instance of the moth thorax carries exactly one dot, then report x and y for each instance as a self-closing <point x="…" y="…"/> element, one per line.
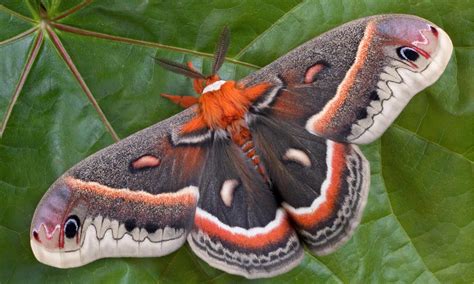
<point x="214" y="86"/>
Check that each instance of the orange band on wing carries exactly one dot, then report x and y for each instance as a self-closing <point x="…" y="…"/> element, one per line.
<point x="187" y="196"/>
<point x="258" y="240"/>
<point x="332" y="107"/>
<point x="324" y="210"/>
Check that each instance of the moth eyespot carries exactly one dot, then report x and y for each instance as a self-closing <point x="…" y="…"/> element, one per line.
<point x="407" y="53"/>
<point x="71" y="227"/>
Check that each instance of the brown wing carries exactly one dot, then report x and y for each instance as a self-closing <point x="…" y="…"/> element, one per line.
<point x="350" y="83"/>
<point x="134" y="198"/>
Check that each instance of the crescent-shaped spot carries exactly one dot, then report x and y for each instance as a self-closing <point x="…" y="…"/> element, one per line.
<point x="297" y="156"/>
<point x="312" y="71"/>
<point x="227" y="191"/>
<point x="147" y="161"/>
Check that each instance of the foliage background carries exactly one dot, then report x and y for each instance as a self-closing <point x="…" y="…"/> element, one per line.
<point x="419" y="222"/>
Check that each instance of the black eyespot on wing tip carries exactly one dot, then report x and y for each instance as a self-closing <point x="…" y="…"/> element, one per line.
<point x="407" y="53"/>
<point x="71" y="226"/>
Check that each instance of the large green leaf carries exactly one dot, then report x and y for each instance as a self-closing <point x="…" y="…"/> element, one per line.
<point x="72" y="84"/>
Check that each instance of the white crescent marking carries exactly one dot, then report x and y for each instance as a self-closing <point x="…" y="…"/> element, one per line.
<point x="324" y="187"/>
<point x="227" y="191"/>
<point x="297" y="156"/>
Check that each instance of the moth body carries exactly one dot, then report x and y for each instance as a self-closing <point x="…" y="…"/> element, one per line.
<point x="255" y="169"/>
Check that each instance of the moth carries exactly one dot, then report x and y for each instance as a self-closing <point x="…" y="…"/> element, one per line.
<point x="253" y="170"/>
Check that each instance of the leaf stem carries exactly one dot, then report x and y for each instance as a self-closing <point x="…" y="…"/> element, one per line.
<point x="73" y="9"/>
<point x="18" y="36"/>
<point x="18" y="15"/>
<point x="21" y="83"/>
<point x="80" y="31"/>
<point x="57" y="42"/>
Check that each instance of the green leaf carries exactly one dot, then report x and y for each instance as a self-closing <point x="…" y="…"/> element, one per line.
<point x="73" y="82"/>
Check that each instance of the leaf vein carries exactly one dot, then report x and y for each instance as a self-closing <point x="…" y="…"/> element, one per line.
<point x="82" y="83"/>
<point x="24" y="74"/>
<point x="18" y="36"/>
<point x="74" y="9"/>
<point x="84" y="32"/>
<point x="16" y="14"/>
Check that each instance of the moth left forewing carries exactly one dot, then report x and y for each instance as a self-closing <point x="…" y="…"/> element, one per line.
<point x="135" y="198"/>
<point x="239" y="226"/>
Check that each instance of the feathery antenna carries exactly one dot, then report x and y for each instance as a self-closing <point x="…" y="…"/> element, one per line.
<point x="179" y="68"/>
<point x="219" y="57"/>
<point x="221" y="50"/>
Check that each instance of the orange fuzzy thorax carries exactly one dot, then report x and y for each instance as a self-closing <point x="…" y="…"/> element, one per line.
<point x="220" y="108"/>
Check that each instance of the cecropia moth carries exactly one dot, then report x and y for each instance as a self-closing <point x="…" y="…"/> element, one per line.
<point x="255" y="169"/>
